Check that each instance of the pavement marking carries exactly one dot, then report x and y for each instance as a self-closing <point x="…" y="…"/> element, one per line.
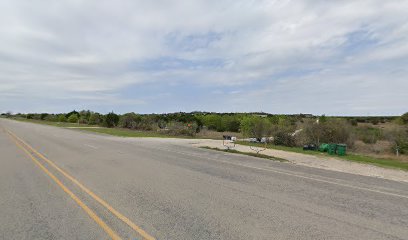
<point x="91" y="146"/>
<point x="120" y="216"/>
<point x="91" y="213"/>
<point x="269" y="169"/>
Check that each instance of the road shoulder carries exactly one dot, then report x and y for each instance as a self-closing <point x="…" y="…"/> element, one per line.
<point x="327" y="163"/>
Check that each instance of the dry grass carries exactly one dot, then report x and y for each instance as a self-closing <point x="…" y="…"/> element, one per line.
<point x="382" y="149"/>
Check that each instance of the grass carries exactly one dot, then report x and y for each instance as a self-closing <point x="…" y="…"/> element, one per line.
<point x="381" y="162"/>
<point x="120" y="132"/>
<point x="247" y="153"/>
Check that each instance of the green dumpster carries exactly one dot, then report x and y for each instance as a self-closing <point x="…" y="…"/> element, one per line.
<point x="332" y="148"/>
<point x="323" y="147"/>
<point x="341" y="149"/>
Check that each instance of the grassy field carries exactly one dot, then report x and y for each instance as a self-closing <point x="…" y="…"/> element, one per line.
<point x="248" y="154"/>
<point x="382" y="162"/>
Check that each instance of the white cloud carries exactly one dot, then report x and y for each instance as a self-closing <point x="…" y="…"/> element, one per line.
<point x="296" y="51"/>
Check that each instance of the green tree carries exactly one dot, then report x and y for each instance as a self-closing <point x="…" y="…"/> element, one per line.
<point x="233" y="124"/>
<point x="62" y="118"/>
<point x="111" y="120"/>
<point x="72" y="113"/>
<point x="213" y="122"/>
<point x="51" y="118"/>
<point x="129" y="120"/>
<point x="84" y="115"/>
<point x="254" y="126"/>
<point x="94" y="118"/>
<point x="73" y="118"/>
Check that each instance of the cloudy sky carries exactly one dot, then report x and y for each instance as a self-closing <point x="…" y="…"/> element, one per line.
<point x="332" y="57"/>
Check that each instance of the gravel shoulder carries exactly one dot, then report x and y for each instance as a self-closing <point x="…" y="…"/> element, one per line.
<point x="321" y="162"/>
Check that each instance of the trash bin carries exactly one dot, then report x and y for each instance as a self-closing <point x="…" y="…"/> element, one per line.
<point x="332" y="148"/>
<point x="341" y="149"/>
<point x="311" y="147"/>
<point x="323" y="147"/>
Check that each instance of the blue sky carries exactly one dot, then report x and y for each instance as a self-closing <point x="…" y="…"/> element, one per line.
<point x="320" y="57"/>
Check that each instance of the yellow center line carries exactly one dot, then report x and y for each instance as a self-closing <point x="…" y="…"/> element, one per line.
<point x="120" y="216"/>
<point x="91" y="213"/>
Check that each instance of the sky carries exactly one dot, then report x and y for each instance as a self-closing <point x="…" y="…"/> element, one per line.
<point x="305" y="56"/>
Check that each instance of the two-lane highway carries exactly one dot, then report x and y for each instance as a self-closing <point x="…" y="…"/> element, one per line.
<point x="167" y="189"/>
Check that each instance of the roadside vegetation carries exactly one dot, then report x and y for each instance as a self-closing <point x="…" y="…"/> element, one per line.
<point x="378" y="140"/>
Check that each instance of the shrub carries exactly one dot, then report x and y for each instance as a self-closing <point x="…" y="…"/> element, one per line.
<point x="336" y="131"/>
<point x="111" y="120"/>
<point x="51" y="118"/>
<point x="62" y="118"/>
<point x="399" y="139"/>
<point x="34" y="116"/>
<point x="147" y="123"/>
<point x="73" y="118"/>
<point x="179" y="128"/>
<point x="375" y="121"/>
<point x="129" y="120"/>
<point x="402" y="144"/>
<point x="83" y="120"/>
<point x="404" y="118"/>
<point x="323" y="119"/>
<point x="328" y="131"/>
<point x="284" y="138"/>
<point x="95" y="118"/>
<point x="368" y="135"/>
<point x="84" y="116"/>
<point x="43" y="116"/>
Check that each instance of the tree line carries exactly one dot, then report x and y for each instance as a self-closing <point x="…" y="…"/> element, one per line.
<point x="287" y="130"/>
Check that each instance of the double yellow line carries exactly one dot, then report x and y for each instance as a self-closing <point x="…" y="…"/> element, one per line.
<point x="27" y="148"/>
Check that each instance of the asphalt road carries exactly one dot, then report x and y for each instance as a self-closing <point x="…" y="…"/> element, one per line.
<point x="167" y="189"/>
